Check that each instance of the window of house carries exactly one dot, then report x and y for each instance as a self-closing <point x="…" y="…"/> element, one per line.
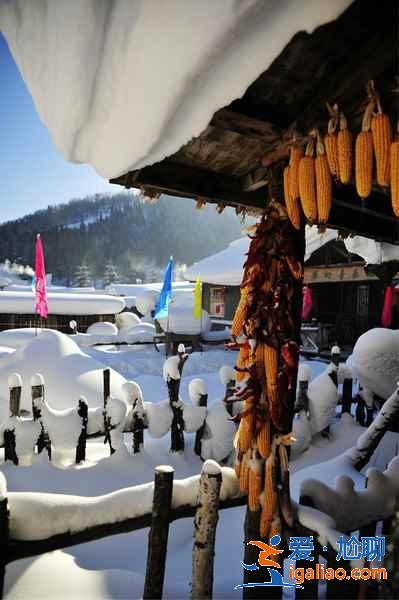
<point x="363" y="300"/>
<point x="217" y="301"/>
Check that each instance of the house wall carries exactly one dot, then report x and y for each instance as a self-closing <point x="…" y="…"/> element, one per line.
<point x="58" y="322"/>
<point x="231" y="297"/>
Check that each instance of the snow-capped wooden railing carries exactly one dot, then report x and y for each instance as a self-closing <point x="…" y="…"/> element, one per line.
<point x="34" y="523"/>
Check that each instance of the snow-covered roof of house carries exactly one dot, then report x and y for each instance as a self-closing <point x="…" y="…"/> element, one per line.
<point x="62" y="304"/>
<point x="95" y="69"/>
<point x="226" y="267"/>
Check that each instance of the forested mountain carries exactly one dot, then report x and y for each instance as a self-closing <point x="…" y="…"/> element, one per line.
<point x="118" y="233"/>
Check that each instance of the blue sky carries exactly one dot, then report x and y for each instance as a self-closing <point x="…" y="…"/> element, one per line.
<point x="32" y="172"/>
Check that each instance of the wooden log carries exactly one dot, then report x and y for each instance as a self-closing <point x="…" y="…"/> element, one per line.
<point x="138" y="433"/>
<point x="203" y="401"/>
<point x="347" y="396"/>
<point x="81" y="447"/>
<point x="4" y="538"/>
<point x="360" y="411"/>
<point x="302" y="401"/>
<point x="158" y="534"/>
<point x="37" y="393"/>
<point x="15" y="388"/>
<point x="230" y="385"/>
<point x="107" y="419"/>
<point x="177" y="427"/>
<point x="205" y="523"/>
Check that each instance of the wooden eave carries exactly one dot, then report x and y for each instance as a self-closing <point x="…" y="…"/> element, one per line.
<point x="246" y="144"/>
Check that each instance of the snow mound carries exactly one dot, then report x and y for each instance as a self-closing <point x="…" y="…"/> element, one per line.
<point x="159" y="418"/>
<point x="302" y="432"/>
<point x="126" y="320"/>
<point x="102" y="327"/>
<point x="193" y="417"/>
<point x="375" y="361"/>
<point x="143" y="333"/>
<point x="103" y="108"/>
<point x="68" y="372"/>
<point x="217" y="441"/>
<point x="323" y="398"/>
<point x="227" y="374"/>
<point x="196" y="389"/>
<point x="146" y="301"/>
<point x="182" y="320"/>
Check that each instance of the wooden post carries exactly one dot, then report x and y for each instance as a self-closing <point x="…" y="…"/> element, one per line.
<point x="158" y="534"/>
<point x="4" y="537"/>
<point x="10" y="446"/>
<point x="81" y="447"/>
<point x="177" y="427"/>
<point x="347" y="396"/>
<point x="360" y="408"/>
<point x="37" y="393"/>
<point x="15" y="388"/>
<point x="203" y="401"/>
<point x="107" y="420"/>
<point x="230" y="385"/>
<point x="205" y="524"/>
<point x="302" y="401"/>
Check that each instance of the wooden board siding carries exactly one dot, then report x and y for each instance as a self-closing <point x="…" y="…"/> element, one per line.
<point x="232" y="299"/>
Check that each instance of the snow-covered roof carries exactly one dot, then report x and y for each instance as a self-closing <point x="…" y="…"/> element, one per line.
<point x="373" y="252"/>
<point x="95" y="69"/>
<point x="226" y="267"/>
<point x="62" y="304"/>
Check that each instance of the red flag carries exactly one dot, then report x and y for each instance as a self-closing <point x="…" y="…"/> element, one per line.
<point x="307" y="305"/>
<point x="41" y="306"/>
<point x="386" y="317"/>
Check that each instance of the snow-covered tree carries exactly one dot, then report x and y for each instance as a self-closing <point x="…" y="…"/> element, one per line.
<point x="110" y="273"/>
<point x="82" y="277"/>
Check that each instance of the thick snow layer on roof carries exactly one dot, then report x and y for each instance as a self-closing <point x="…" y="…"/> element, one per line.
<point x="373" y="252"/>
<point x="62" y="304"/>
<point x="226" y="267"/>
<point x="121" y="85"/>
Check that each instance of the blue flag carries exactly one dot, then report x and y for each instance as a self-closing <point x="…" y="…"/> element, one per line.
<point x="161" y="309"/>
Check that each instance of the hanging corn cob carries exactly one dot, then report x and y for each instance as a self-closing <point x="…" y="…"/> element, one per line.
<point x="395" y="173"/>
<point x="364" y="154"/>
<point x="246" y="428"/>
<point x="307" y="183"/>
<point x="382" y="135"/>
<point x="263" y="439"/>
<point x="323" y="182"/>
<point x="244" y="474"/>
<point x="293" y="207"/>
<point x="269" y="496"/>
<point x="271" y="371"/>
<point x="345" y="153"/>
<point x="239" y="316"/>
<point x="293" y="177"/>
<point x="254" y="482"/>
<point x="331" y="141"/>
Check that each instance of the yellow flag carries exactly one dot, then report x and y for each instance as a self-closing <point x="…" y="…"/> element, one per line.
<point x="197" y="310"/>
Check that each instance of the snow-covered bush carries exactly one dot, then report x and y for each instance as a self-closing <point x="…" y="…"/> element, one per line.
<point x="102" y="328"/>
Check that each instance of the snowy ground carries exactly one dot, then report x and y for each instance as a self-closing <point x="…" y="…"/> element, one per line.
<point x="114" y="567"/>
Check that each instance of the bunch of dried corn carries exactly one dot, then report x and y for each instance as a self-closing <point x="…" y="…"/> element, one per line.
<point x="292" y="206"/>
<point x="344" y="143"/>
<point x="382" y="135"/>
<point x="307" y="183"/>
<point x="254" y="482"/>
<point x="291" y="187"/>
<point x="331" y="141"/>
<point x="395" y="173"/>
<point x="269" y="496"/>
<point x="244" y="474"/>
<point x="323" y="182"/>
<point x="242" y="363"/>
<point x="364" y="154"/>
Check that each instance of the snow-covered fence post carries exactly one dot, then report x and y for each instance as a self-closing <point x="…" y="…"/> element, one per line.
<point x="302" y="400"/>
<point x="134" y="398"/>
<point x="4" y="536"/>
<point x="107" y="420"/>
<point x="227" y="377"/>
<point x="37" y="394"/>
<point x="206" y="518"/>
<point x="15" y="388"/>
<point x="81" y="447"/>
<point x="369" y="440"/>
<point x="173" y="369"/>
<point x="10" y="446"/>
<point x="202" y="401"/>
<point x="347" y="395"/>
<point x="158" y="534"/>
<point x="335" y="355"/>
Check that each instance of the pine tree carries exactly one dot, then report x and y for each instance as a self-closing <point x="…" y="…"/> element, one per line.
<point x="82" y="277"/>
<point x="110" y="274"/>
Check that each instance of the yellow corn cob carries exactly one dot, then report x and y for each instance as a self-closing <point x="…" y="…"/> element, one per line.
<point x="307" y="184"/>
<point x="292" y="206"/>
<point x="293" y="174"/>
<point x="239" y="315"/>
<point x="263" y="439"/>
<point x="260" y="369"/>
<point x="283" y="455"/>
<point x="244" y="475"/>
<point x="246" y="432"/>
<point x="242" y="362"/>
<point x="323" y="183"/>
<point x="254" y="487"/>
<point x="345" y="159"/>
<point x="269" y="497"/>
<point x="382" y="135"/>
<point x="330" y="140"/>
<point x="237" y="466"/>
<point x="364" y="155"/>
<point x="395" y="175"/>
<point x="271" y="370"/>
